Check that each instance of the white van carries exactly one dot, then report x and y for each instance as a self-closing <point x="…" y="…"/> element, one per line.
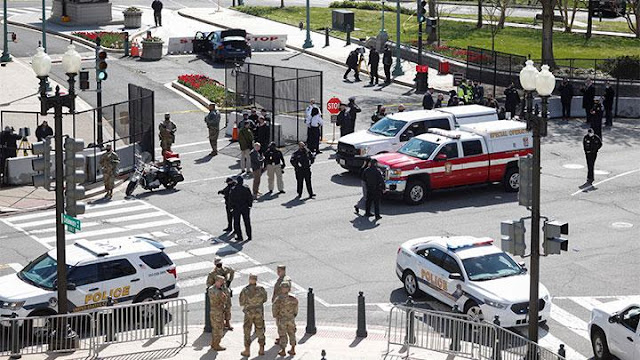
<point x="393" y="131"/>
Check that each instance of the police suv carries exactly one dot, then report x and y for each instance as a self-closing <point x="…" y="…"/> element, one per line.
<point x="127" y="270"/>
<point x="471" y="273"/>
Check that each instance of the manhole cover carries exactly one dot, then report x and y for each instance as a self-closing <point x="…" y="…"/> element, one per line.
<point x="573" y="166"/>
<point x="622" y="225"/>
<point x="177" y="230"/>
<point x="190" y="241"/>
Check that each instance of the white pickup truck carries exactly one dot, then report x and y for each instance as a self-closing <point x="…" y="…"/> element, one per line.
<point x="615" y="331"/>
<point x="393" y="131"/>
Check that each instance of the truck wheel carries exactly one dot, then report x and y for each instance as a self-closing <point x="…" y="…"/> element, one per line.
<point x="511" y="180"/>
<point x="599" y="344"/>
<point x="473" y="311"/>
<point x="415" y="193"/>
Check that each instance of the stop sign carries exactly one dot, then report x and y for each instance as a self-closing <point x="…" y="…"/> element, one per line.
<point x="333" y="105"/>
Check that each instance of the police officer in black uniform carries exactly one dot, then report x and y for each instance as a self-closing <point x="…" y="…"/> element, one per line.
<point x="591" y="144"/>
<point x="595" y="116"/>
<point x="301" y="161"/>
<point x="225" y="192"/>
<point x="241" y="200"/>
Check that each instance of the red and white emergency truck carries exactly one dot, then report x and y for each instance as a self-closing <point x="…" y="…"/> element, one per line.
<point x="473" y="154"/>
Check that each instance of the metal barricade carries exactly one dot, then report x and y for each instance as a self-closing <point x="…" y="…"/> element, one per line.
<point x="38" y="335"/>
<point x="142" y="321"/>
<point x="455" y="334"/>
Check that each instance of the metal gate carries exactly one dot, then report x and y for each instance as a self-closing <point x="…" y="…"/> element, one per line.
<point x="283" y="91"/>
<point x="455" y="334"/>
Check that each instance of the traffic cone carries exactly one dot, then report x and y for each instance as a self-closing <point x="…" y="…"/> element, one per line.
<point x="234" y="133"/>
<point x="135" y="49"/>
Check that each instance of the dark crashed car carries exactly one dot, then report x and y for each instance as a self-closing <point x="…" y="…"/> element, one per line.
<point x="223" y="45"/>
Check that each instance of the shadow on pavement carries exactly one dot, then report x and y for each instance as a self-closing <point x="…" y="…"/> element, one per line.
<point x="346" y="178"/>
<point x="363" y="223"/>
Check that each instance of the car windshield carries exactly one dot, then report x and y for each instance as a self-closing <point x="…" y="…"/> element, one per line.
<point x="491" y="266"/>
<point x="418" y="148"/>
<point x="42" y="272"/>
<point x="387" y="127"/>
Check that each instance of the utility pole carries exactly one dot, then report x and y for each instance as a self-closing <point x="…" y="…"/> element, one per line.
<point x="397" y="71"/>
<point x="99" y="139"/>
<point x="6" y="56"/>
<point x="307" y="42"/>
<point x="535" y="224"/>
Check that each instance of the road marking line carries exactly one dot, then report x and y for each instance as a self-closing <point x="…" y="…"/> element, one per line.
<point x="604" y="181"/>
<point x="214" y="249"/>
<point x="552" y="343"/>
<point x="16" y="267"/>
<point x="199" y="281"/>
<point x="179" y="255"/>
<point x="587" y="302"/>
<point x="194" y="267"/>
<point x="256" y="270"/>
<point x="570" y="321"/>
<point x="88" y="215"/>
<point x="109" y="231"/>
<point x="37" y="239"/>
<point x="106" y="221"/>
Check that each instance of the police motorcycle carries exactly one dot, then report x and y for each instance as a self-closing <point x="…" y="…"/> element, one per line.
<point x="150" y="176"/>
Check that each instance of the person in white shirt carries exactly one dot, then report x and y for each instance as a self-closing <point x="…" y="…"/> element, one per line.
<point x="313" y="134"/>
<point x="307" y="111"/>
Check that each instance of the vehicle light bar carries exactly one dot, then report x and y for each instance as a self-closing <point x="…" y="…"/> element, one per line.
<point x="444" y="133"/>
<point x="469" y="244"/>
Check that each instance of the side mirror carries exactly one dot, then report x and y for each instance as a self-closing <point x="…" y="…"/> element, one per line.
<point x="614" y="319"/>
<point x="455" y="276"/>
<point x="441" y="157"/>
<point x="71" y="286"/>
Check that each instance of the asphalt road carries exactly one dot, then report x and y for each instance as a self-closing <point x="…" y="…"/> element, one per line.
<point x="327" y="247"/>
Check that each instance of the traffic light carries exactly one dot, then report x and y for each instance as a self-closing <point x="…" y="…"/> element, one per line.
<point x="512" y="240"/>
<point x="42" y="164"/>
<point x="422" y="11"/>
<point x="101" y="65"/>
<point x="74" y="174"/>
<point x="84" y="80"/>
<point x="525" y="189"/>
<point x="554" y="243"/>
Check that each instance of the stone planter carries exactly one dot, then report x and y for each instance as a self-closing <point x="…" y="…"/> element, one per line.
<point x="132" y="19"/>
<point x="151" y="50"/>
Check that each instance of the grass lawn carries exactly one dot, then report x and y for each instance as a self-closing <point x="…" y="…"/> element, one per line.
<point x="511" y="40"/>
<point x="111" y="40"/>
<point x="616" y="26"/>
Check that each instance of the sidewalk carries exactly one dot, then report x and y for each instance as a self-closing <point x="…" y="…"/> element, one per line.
<point x="338" y="342"/>
<point x="336" y="52"/>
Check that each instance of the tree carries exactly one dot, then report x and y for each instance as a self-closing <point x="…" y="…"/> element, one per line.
<point x="479" y="23"/>
<point x="281" y="3"/>
<point x="632" y="15"/>
<point x="547" y="32"/>
<point x="443" y="10"/>
<point x="496" y="12"/>
<point x="568" y="9"/>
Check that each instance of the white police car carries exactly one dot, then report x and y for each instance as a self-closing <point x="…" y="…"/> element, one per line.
<point x="471" y="273"/>
<point x="127" y="270"/>
<point x="615" y="330"/>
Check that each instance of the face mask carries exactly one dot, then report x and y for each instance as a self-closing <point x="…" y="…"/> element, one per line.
<point x="590" y="134"/>
<point x="219" y="265"/>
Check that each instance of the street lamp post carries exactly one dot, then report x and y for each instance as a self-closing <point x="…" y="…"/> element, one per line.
<point x="382" y="30"/>
<point x="307" y="42"/>
<point x="397" y="71"/>
<point x="543" y="82"/>
<point x="6" y="56"/>
<point x="41" y="64"/>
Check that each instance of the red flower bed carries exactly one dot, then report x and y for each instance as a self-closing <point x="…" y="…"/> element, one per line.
<point x="196" y="81"/>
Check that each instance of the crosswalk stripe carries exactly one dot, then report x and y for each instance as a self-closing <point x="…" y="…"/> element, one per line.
<point x="196" y="298"/>
<point x="105" y="221"/>
<point x="194" y="267"/>
<point x="89" y="215"/>
<point x="571" y="322"/>
<point x="237" y="259"/>
<point x="552" y="343"/>
<point x="217" y="248"/>
<point x="34" y="9"/>
<point x="179" y="255"/>
<point x="587" y="302"/>
<point x="16" y="267"/>
<point x="256" y="270"/>
<point x="108" y="231"/>
<point x="16" y="219"/>
<point x="199" y="281"/>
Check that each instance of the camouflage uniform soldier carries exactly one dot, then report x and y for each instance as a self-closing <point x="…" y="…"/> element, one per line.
<point x="227" y="273"/>
<point x="282" y="278"/>
<point x="285" y="310"/>
<point x="167" y="133"/>
<point x="109" y="164"/>
<point x="218" y="300"/>
<point x="252" y="299"/>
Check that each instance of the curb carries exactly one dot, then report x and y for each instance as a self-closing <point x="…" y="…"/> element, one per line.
<point x="299" y="49"/>
<point x="190" y="93"/>
<point x="72" y="37"/>
<point x="98" y="190"/>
